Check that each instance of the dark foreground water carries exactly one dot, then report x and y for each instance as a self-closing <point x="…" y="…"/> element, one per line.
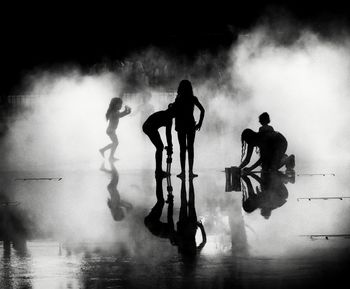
<point x="87" y="230"/>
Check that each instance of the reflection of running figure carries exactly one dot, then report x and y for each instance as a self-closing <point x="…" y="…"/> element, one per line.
<point x="185" y="124"/>
<point x="115" y="203"/>
<point x="113" y="114"/>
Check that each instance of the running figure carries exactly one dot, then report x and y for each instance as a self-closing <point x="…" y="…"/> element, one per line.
<point x="151" y="127"/>
<point x="117" y="206"/>
<point x="185" y="124"/>
<point x="113" y="115"/>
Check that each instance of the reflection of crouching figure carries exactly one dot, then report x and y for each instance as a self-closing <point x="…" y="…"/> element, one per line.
<point x="152" y="220"/>
<point x="272" y="193"/>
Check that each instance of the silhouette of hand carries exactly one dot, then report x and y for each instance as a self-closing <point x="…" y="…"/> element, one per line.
<point x="169" y="150"/>
<point x="246" y="170"/>
<point x="128" y="109"/>
<point x="198" y="126"/>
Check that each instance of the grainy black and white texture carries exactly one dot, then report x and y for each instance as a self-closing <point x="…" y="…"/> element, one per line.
<point x="70" y="219"/>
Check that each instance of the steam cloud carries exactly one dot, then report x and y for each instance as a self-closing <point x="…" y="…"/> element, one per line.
<point x="302" y="84"/>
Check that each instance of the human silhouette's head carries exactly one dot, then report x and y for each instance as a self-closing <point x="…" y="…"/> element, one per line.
<point x="265" y="212"/>
<point x="249" y="206"/>
<point x="116" y="211"/>
<point x="264" y="118"/>
<point x="185" y="88"/>
<point x="115" y="104"/>
<point x="171" y="109"/>
<point x="249" y="136"/>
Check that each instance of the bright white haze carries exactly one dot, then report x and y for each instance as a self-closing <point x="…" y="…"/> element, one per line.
<point x="303" y="86"/>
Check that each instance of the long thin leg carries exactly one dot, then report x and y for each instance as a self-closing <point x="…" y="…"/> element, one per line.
<point x="182" y="142"/>
<point x="157" y="142"/>
<point x="115" y="143"/>
<point x="107" y="147"/>
<point x="190" y="148"/>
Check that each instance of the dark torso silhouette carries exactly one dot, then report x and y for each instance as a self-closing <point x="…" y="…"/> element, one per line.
<point x="157" y="120"/>
<point x="184" y="119"/>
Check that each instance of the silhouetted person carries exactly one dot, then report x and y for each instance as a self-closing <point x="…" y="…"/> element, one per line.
<point x="264" y="120"/>
<point x="188" y="224"/>
<point x="113" y="115"/>
<point x="272" y="193"/>
<point x="151" y="127"/>
<point x="185" y="124"/>
<point x="152" y="220"/>
<point x="272" y="147"/>
<point x="117" y="206"/>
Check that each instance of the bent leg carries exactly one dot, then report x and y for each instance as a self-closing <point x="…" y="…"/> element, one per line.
<point x="114" y="144"/>
<point x="279" y="156"/>
<point x="157" y="142"/>
<point x="107" y="147"/>
<point x="190" y="148"/>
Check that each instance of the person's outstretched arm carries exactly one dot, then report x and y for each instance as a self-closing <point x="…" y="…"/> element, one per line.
<point x="201" y="117"/>
<point x="250" y="188"/>
<point x="125" y="112"/>
<point x="258" y="163"/>
<point x="257" y="178"/>
<point x="204" y="236"/>
<point x="247" y="157"/>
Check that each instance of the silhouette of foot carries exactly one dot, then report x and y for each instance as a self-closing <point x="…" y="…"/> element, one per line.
<point x="192" y="175"/>
<point x="161" y="174"/>
<point x="290" y="162"/>
<point x="181" y="175"/>
<point x="113" y="159"/>
<point x="102" y="152"/>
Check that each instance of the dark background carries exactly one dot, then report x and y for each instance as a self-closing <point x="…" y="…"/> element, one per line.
<point x="50" y="35"/>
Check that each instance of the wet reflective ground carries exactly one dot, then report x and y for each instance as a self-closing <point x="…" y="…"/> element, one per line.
<point x="88" y="230"/>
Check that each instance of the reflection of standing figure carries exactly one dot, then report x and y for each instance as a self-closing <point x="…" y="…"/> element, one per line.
<point x="185" y="124"/>
<point x="117" y="206"/>
<point x="185" y="235"/>
<point x="113" y="115"/>
<point x="188" y="224"/>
